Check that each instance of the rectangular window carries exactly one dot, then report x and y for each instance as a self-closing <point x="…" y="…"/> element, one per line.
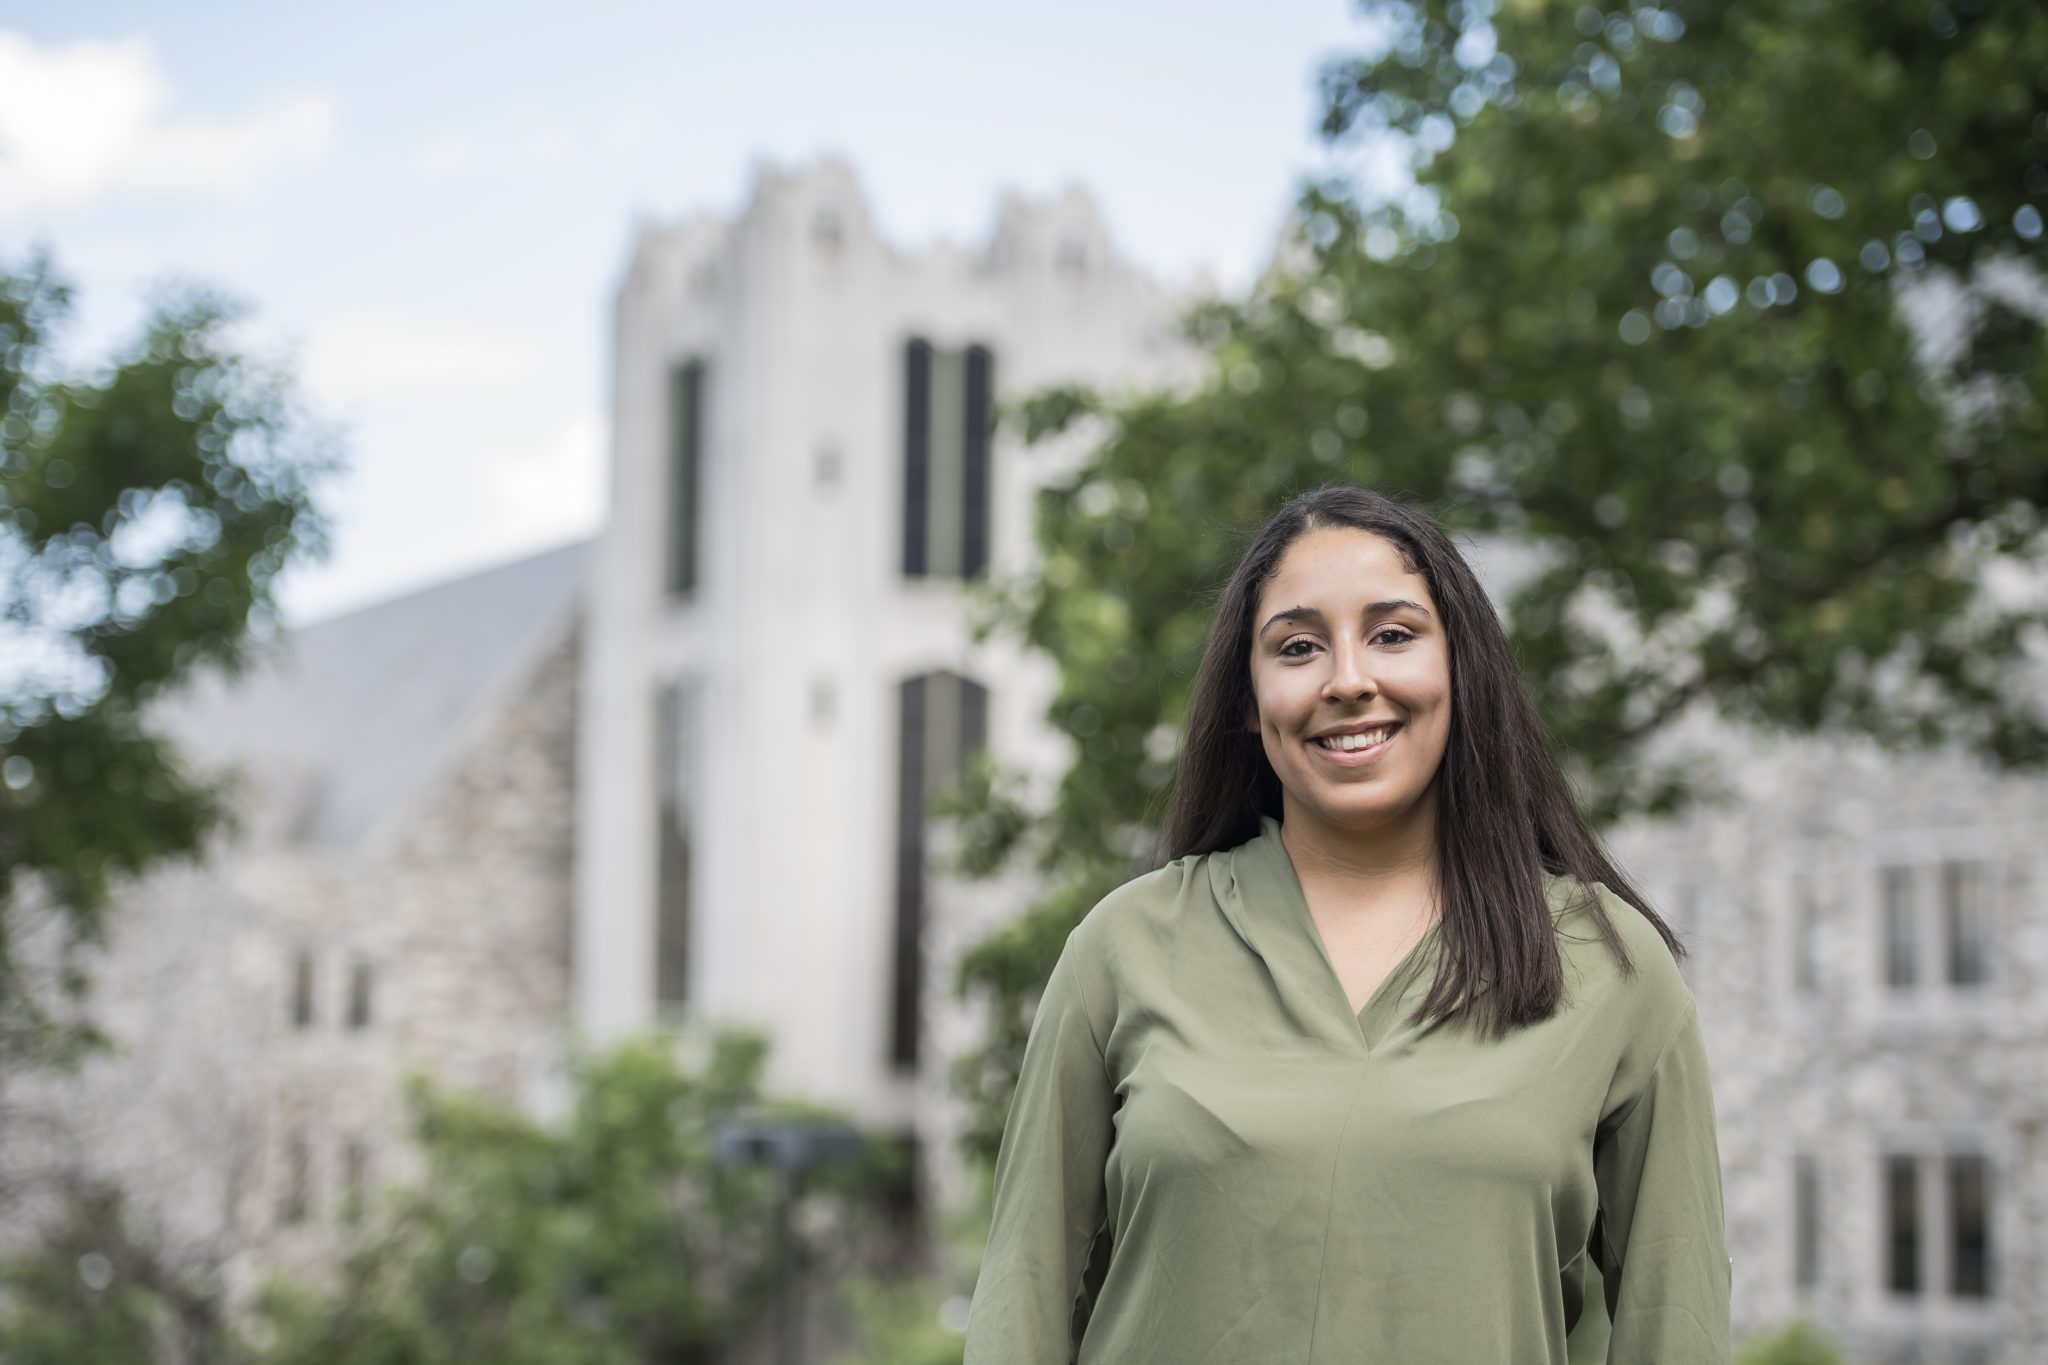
<point x="1805" y="935"/>
<point x="1966" y="923"/>
<point x="302" y="990"/>
<point x="947" y="424"/>
<point x="686" y="386"/>
<point x="676" y="749"/>
<point x="1806" y="1224"/>
<point x="355" y="1175"/>
<point x="1969" y="1225"/>
<point x="1901" y="937"/>
<point x="298" y="1163"/>
<point x="1902" y="1224"/>
<point x="942" y="723"/>
<point x="359" y="995"/>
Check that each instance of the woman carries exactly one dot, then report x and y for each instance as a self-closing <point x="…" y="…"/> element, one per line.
<point x="1389" y="1048"/>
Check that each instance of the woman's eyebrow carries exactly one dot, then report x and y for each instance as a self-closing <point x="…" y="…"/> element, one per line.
<point x="1371" y="609"/>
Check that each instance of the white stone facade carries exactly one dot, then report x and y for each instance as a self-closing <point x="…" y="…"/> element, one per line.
<point x="803" y="622"/>
<point x="1838" y="1064"/>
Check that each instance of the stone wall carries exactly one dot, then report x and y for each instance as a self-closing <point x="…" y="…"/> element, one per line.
<point x="463" y="926"/>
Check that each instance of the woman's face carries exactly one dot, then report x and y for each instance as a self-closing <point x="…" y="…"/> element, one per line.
<point x="1344" y="634"/>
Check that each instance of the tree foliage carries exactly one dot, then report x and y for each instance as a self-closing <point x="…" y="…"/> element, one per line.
<point x="145" y="513"/>
<point x="1731" y="315"/>
<point x="1797" y="1343"/>
<point x="616" y="1238"/>
<point x="618" y="1235"/>
<point x="100" y="1287"/>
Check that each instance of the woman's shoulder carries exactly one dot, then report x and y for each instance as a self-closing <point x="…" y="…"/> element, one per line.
<point x="1654" y="986"/>
<point x="1143" y="906"/>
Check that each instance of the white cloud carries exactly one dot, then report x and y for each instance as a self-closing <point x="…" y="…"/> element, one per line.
<point x="353" y="359"/>
<point x="88" y="120"/>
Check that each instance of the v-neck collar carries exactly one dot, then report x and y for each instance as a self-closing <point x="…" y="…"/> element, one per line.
<point x="1260" y="893"/>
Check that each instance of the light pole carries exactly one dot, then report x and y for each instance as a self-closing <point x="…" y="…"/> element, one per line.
<point x="792" y="1147"/>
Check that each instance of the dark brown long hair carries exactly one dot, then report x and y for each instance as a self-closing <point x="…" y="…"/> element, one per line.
<point x="1504" y="809"/>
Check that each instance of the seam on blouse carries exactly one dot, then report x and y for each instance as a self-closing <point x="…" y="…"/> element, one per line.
<point x="1088" y="1013"/>
<point x="1691" y="1014"/>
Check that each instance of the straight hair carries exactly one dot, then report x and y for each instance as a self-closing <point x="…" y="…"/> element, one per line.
<point x="1505" y="812"/>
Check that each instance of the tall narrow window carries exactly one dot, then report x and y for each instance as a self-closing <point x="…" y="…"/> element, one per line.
<point x="946" y="430"/>
<point x="686" y="385"/>
<point x="302" y="990"/>
<point x="355" y="1179"/>
<point x="1966" y="923"/>
<point x="1806" y="1224"/>
<point x="1901" y="937"/>
<point x="298" y="1164"/>
<point x="1902" y="1223"/>
<point x="943" y="723"/>
<point x="359" y="995"/>
<point x="1969" y="1225"/>
<point x="676" y="749"/>
<point x="1805" y="935"/>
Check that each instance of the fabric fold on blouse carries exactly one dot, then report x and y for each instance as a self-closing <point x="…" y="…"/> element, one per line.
<point x="1277" y="1180"/>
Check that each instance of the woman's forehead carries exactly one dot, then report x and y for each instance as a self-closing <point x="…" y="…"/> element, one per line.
<point x="1344" y="564"/>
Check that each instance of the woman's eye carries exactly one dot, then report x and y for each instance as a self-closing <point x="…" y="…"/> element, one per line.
<point x="1401" y="637"/>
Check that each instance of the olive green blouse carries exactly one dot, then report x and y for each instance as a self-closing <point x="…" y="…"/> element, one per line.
<point x="1209" y="1158"/>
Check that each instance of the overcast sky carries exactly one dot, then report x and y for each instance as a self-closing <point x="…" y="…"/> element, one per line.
<point x="430" y="211"/>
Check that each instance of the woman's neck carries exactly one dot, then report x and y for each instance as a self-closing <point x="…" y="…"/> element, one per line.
<point x="1395" y="861"/>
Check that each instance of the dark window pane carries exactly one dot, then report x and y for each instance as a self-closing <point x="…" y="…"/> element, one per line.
<point x="917" y="455"/>
<point x="1966" y="923"/>
<point x="302" y="991"/>
<point x="1902" y="1224"/>
<point x="298" y="1160"/>
<point x="974" y="483"/>
<point x="947" y="425"/>
<point x="675" y="750"/>
<point x="359" y="995"/>
<point x="1806" y="1222"/>
<point x="910" y="806"/>
<point x="944" y="723"/>
<point x="1901" y="941"/>
<point x="1969" y="1217"/>
<point x="355" y="1175"/>
<point x="685" y="481"/>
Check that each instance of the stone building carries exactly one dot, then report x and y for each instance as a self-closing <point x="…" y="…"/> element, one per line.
<point x="804" y="488"/>
<point x="680" y="775"/>
<point x="398" y="900"/>
<point x="1870" y="956"/>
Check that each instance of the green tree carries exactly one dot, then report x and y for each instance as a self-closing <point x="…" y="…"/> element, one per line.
<point x="614" y="1238"/>
<point x="1730" y="315"/>
<point x="145" y="513"/>
<point x="1800" y="1343"/>
<point x="97" y="1288"/>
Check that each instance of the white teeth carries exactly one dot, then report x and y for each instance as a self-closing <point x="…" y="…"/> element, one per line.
<point x="1350" y="742"/>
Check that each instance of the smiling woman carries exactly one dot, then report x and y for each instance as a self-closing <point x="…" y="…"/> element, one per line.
<point x="1316" y="1090"/>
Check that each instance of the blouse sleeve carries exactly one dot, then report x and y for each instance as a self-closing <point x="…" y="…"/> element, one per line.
<point x="1659" y="1234"/>
<point x="1049" y="1200"/>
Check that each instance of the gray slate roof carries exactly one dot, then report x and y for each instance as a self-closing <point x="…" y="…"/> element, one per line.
<point x="344" y="723"/>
